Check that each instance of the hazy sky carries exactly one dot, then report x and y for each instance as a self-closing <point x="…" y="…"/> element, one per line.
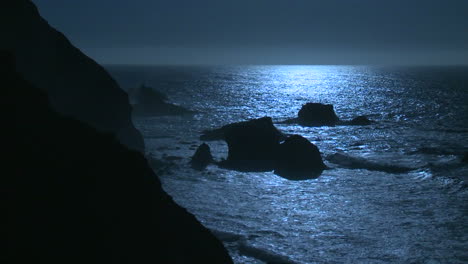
<point x="265" y="31"/>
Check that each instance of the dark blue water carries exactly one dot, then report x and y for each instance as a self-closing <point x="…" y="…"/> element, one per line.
<point x="346" y="215"/>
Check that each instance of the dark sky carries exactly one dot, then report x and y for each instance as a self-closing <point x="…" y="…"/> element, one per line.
<point x="265" y="31"/>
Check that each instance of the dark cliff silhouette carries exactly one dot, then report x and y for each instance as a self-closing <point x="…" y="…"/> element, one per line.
<point x="76" y="195"/>
<point x="76" y="85"/>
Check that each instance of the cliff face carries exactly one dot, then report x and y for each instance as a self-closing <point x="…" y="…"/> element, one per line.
<point x="76" y="85"/>
<point x="76" y="195"/>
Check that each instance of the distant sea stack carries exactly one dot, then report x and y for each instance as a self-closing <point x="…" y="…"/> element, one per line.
<point x="148" y="101"/>
<point x="76" y="85"/>
<point x="316" y="114"/>
<point x="76" y="195"/>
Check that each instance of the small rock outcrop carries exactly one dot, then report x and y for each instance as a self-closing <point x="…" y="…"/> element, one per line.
<point x="316" y="114"/>
<point x="465" y="158"/>
<point x="297" y="158"/>
<point x="148" y="101"/>
<point x="360" y="121"/>
<point x="202" y="157"/>
<point x="252" y="144"/>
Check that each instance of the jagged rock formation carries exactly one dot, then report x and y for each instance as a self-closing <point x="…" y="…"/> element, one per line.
<point x="76" y="195"/>
<point x="76" y="85"/>
<point x="256" y="145"/>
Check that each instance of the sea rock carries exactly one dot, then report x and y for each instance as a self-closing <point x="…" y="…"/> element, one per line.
<point x="298" y="158"/>
<point x="76" y="85"/>
<point x="265" y="123"/>
<point x="252" y="144"/>
<point x="148" y="101"/>
<point x="76" y="195"/>
<point x="465" y="158"/>
<point x="316" y="114"/>
<point x="202" y="157"/>
<point x="360" y="121"/>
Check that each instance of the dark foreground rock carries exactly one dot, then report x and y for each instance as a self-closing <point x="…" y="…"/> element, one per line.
<point x="316" y="114"/>
<point x="298" y="158"/>
<point x="148" y="101"/>
<point x="76" y="195"/>
<point x="76" y="85"/>
<point x="202" y="157"/>
<point x="360" y="121"/>
<point x="252" y="144"/>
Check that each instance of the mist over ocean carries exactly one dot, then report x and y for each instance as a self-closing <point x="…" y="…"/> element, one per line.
<point x="363" y="215"/>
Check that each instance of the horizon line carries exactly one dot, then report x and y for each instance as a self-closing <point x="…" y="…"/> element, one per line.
<point x="286" y="64"/>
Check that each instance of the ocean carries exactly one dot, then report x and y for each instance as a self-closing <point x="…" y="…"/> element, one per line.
<point x="347" y="215"/>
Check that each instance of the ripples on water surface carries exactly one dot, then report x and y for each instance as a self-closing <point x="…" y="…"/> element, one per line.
<point x="344" y="216"/>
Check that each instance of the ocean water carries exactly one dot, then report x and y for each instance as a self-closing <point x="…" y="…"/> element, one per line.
<point x="346" y="215"/>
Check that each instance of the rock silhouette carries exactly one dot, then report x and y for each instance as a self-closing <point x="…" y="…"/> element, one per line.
<point x="76" y="195"/>
<point x="255" y="145"/>
<point x="264" y="123"/>
<point x="202" y="157"/>
<point x="252" y="144"/>
<point x="76" y="85"/>
<point x="297" y="158"/>
<point x="316" y="114"/>
<point x="148" y="101"/>
<point x="360" y="121"/>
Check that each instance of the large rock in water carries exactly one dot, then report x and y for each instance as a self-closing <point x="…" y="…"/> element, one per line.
<point x="297" y="158"/>
<point x="316" y="114"/>
<point x="76" y="85"/>
<point x="75" y="195"/>
<point x="220" y="133"/>
<point x="252" y="144"/>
